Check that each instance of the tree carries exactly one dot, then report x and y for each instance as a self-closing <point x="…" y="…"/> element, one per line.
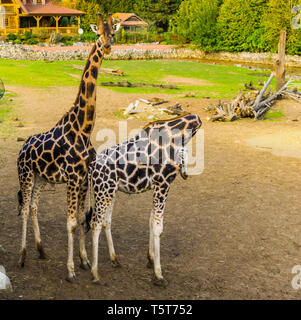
<point x="239" y="25"/>
<point x="157" y="11"/>
<point x="196" y="21"/>
<point x="278" y="16"/>
<point x="91" y="8"/>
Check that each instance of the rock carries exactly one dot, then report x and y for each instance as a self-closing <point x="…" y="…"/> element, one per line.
<point x="4" y="280"/>
<point x="55" y="37"/>
<point x="189" y="95"/>
<point x="20" y="139"/>
<point x="24" y="52"/>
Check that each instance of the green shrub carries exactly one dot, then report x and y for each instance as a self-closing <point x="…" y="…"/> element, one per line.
<point x="88" y="37"/>
<point x="31" y="41"/>
<point x="27" y="35"/>
<point x="42" y="34"/>
<point x="11" y="37"/>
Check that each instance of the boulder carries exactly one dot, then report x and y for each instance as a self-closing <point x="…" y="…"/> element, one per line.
<point x="4" y="280"/>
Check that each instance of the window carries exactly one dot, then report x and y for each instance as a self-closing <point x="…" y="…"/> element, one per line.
<point x="2" y="18"/>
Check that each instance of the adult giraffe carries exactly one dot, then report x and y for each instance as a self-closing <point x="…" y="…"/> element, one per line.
<point x="62" y="155"/>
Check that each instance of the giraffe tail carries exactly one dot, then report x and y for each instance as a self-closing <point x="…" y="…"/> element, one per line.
<point x="88" y="218"/>
<point x="20" y="200"/>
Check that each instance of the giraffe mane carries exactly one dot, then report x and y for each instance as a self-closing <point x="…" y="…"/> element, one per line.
<point x="78" y="94"/>
<point x="165" y="120"/>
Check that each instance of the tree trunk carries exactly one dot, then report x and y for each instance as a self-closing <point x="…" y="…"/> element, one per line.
<point x="279" y="64"/>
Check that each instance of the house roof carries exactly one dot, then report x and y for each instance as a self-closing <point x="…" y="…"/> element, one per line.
<point x="47" y="9"/>
<point x="129" y="19"/>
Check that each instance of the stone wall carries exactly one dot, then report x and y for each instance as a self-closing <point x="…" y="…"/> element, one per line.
<point x="21" y="52"/>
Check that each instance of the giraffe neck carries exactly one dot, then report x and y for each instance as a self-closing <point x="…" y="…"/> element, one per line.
<point x="85" y="102"/>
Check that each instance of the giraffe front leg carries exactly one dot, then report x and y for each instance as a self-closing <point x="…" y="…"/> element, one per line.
<point x="96" y="229"/>
<point x="72" y="199"/>
<point x="157" y="229"/>
<point x="156" y="223"/>
<point x="150" y="253"/>
<point x="107" y="226"/>
<point x="85" y="263"/>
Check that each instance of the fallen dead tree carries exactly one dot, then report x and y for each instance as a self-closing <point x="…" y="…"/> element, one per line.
<point x="139" y="84"/>
<point x="154" y="108"/>
<point x="253" y="104"/>
<point x="114" y="72"/>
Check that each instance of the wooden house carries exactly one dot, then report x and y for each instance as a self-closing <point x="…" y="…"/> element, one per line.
<point x="131" y="22"/>
<point x="19" y="16"/>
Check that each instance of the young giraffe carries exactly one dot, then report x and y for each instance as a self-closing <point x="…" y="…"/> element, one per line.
<point x="62" y="154"/>
<point x="150" y="160"/>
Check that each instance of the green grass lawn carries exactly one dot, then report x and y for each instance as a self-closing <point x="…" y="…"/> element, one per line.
<point x="274" y="115"/>
<point x="221" y="82"/>
<point x="7" y="113"/>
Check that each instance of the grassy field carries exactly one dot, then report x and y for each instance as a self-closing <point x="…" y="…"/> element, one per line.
<point x="7" y="113"/>
<point x="206" y="80"/>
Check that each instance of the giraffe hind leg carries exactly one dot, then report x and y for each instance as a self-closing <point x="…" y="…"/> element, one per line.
<point x="37" y="189"/>
<point x="107" y="226"/>
<point x="26" y="187"/>
<point x="85" y="263"/>
<point x="72" y="199"/>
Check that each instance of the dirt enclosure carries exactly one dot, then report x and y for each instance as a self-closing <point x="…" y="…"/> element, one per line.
<point x="233" y="232"/>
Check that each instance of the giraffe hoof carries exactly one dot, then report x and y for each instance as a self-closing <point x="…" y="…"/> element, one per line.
<point x="71" y="279"/>
<point x="21" y="261"/>
<point x="85" y="266"/>
<point x="96" y="281"/>
<point x="160" y="282"/>
<point x="42" y="255"/>
<point x="115" y="263"/>
<point x="41" y="251"/>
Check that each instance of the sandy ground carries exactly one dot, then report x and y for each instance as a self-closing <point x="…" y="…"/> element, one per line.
<point x="232" y="232"/>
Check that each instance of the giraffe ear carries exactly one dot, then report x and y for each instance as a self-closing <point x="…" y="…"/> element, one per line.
<point x="94" y="28"/>
<point x="116" y="27"/>
<point x="116" y="24"/>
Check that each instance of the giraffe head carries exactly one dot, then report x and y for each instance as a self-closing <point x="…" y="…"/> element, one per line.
<point x="177" y="131"/>
<point x="105" y="31"/>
